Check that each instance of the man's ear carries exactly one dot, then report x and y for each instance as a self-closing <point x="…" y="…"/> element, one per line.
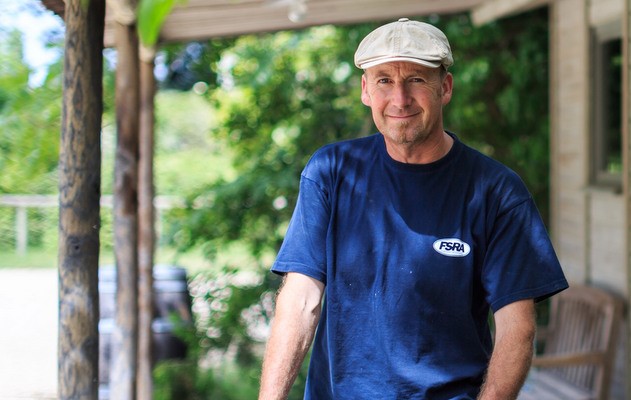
<point x="447" y="87"/>
<point x="365" y="95"/>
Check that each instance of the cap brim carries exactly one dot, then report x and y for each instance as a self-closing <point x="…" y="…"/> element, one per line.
<point x="426" y="63"/>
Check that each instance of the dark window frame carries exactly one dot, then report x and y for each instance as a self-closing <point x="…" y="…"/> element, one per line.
<point x="606" y="130"/>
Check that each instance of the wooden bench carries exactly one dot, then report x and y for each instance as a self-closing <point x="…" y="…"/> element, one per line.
<point x="578" y="354"/>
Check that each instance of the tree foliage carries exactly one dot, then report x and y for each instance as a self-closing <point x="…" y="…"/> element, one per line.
<point x="500" y="102"/>
<point x="281" y="96"/>
<point x="195" y="62"/>
<point x="29" y="122"/>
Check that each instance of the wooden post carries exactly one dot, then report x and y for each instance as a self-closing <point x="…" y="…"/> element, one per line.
<point x="146" y="233"/>
<point x="124" y="335"/>
<point x="21" y="230"/>
<point x="626" y="160"/>
<point x="79" y="194"/>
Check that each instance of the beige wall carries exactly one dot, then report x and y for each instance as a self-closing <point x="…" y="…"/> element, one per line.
<point x="569" y="134"/>
<point x="588" y="223"/>
<point x="607" y="240"/>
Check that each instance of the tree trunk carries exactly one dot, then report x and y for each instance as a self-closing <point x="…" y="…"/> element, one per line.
<point x="146" y="235"/>
<point x="124" y="336"/>
<point x="79" y="196"/>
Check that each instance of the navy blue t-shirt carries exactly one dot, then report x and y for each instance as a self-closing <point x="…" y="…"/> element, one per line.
<point x="413" y="257"/>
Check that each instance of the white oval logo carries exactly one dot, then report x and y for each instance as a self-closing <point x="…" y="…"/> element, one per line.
<point x="452" y="247"/>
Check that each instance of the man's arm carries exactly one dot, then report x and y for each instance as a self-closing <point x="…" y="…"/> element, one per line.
<point x="298" y="308"/>
<point x="515" y="328"/>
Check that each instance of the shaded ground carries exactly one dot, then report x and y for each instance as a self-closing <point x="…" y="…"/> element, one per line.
<point x="28" y="334"/>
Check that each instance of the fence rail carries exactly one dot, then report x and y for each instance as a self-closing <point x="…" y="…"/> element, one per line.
<point x="22" y="202"/>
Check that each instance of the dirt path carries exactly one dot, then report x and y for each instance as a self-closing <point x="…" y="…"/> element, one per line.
<point x="28" y="334"/>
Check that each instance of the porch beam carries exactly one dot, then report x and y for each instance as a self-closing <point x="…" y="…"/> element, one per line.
<point x="199" y="19"/>
<point x="203" y="19"/>
<point x="492" y="10"/>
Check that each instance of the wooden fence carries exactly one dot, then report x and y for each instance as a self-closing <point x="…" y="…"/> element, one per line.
<point x="22" y="202"/>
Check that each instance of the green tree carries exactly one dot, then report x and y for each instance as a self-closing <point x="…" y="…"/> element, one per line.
<point x="29" y="123"/>
<point x="282" y="95"/>
<point x="500" y="102"/>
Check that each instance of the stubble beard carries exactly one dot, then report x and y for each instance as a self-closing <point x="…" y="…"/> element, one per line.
<point x="402" y="135"/>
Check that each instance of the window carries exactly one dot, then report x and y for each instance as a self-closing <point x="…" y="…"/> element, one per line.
<point x="607" y="108"/>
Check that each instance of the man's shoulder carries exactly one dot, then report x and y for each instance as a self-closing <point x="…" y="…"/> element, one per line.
<point x="352" y="144"/>
<point x="345" y="155"/>
<point x="487" y="164"/>
<point x="344" y="150"/>
<point x="494" y="177"/>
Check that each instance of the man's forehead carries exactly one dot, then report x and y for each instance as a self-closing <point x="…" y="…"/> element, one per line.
<point x="400" y="67"/>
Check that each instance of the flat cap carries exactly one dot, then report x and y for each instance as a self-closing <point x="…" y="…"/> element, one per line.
<point x="405" y="40"/>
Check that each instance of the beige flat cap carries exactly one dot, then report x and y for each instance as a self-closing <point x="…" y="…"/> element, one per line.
<point x="405" y="40"/>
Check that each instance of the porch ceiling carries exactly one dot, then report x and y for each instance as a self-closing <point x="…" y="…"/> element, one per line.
<point x="202" y="19"/>
<point x="490" y="10"/>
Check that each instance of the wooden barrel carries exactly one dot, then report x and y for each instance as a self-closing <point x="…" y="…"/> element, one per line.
<point x="171" y="305"/>
<point x="170" y="292"/>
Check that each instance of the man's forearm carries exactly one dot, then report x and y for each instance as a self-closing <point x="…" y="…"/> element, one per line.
<point x="282" y="361"/>
<point x="512" y="355"/>
<point x="297" y="314"/>
<point x="507" y="372"/>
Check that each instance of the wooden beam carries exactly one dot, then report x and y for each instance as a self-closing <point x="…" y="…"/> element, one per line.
<point x="79" y="195"/>
<point x="492" y="10"/>
<point x="204" y="19"/>
<point x="200" y="20"/>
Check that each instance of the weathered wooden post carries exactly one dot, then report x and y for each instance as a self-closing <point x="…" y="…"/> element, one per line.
<point x="124" y="335"/>
<point x="21" y="230"/>
<point x="626" y="159"/>
<point x="79" y="195"/>
<point x="146" y="232"/>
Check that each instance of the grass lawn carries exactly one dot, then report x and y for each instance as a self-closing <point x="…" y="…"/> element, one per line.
<point x="39" y="258"/>
<point x="34" y="258"/>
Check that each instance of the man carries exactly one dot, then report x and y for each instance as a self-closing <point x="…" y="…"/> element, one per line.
<point x="411" y="238"/>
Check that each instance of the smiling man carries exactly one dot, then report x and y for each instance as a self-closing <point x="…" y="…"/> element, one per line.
<point x="401" y="244"/>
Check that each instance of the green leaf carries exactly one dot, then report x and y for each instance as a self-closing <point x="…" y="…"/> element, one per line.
<point x="151" y="16"/>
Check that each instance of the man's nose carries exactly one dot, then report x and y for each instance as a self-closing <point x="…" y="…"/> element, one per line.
<point x="400" y="95"/>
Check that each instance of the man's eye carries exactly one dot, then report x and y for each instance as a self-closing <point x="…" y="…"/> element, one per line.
<point x="383" y="80"/>
<point x="417" y="80"/>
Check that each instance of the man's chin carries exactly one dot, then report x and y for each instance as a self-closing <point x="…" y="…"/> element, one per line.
<point x="406" y="138"/>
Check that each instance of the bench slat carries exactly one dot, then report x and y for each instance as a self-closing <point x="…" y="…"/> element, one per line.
<point x="543" y="386"/>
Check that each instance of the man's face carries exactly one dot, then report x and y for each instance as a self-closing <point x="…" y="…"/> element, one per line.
<point x="406" y="100"/>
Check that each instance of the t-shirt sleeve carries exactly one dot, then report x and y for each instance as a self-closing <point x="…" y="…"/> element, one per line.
<point x="520" y="262"/>
<point x="304" y="247"/>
